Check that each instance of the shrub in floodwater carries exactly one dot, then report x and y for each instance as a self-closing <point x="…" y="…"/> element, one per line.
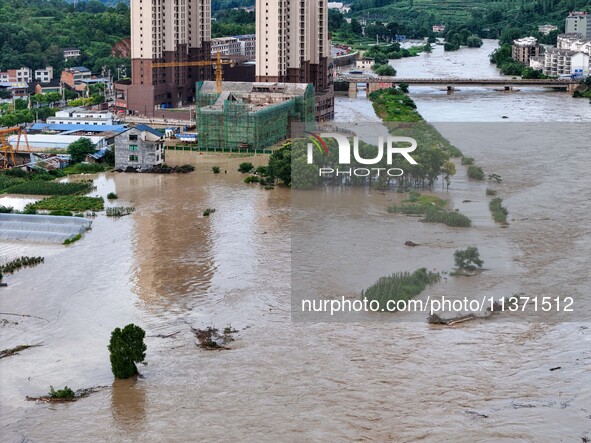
<point x="208" y="211"/>
<point x="229" y="329"/>
<point x="490" y="192"/>
<point x="215" y="169"/>
<point x="120" y="211"/>
<point x="407" y="209"/>
<point x="498" y="211"/>
<point x="468" y="259"/>
<point x="400" y="286"/>
<point x="450" y="218"/>
<point x="475" y="172"/>
<point x="61" y="393"/>
<point x="127" y="348"/>
<point x="467" y="161"/>
<point x="112" y="196"/>
<point x="18" y="263"/>
<point x="245" y="167"/>
<point x="6" y="209"/>
<point x="69" y="241"/>
<point x="495" y="177"/>
<point x="261" y="170"/>
<point x="252" y="179"/>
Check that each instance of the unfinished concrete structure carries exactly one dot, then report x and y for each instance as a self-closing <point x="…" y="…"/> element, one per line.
<point x="249" y="116"/>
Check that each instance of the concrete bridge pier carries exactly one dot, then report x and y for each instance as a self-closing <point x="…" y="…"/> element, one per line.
<point x="353" y="90"/>
<point x="450" y="89"/>
<point x="508" y="88"/>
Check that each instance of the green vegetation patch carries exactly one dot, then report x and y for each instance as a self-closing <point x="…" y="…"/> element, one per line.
<point x="86" y="168"/>
<point x="453" y="219"/>
<point x="475" y="172"/>
<point x="68" y="203"/>
<point x="498" y="211"/>
<point x="400" y="286"/>
<point x="40" y="187"/>
<point x="392" y="105"/>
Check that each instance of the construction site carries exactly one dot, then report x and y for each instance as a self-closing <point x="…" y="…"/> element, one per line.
<point x="16" y="152"/>
<point x="247" y="116"/>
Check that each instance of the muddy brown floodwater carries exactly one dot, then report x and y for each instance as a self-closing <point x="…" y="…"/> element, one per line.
<point x="166" y="268"/>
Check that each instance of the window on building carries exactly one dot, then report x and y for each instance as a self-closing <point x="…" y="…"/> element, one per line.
<point x="133" y="158"/>
<point x="133" y="147"/>
<point x="133" y="137"/>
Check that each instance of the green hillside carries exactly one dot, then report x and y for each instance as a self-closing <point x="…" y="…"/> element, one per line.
<point x="487" y="17"/>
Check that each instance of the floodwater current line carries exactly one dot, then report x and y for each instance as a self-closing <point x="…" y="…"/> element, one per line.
<point x="23" y="315"/>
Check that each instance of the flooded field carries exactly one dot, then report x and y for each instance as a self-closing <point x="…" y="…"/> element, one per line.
<point x="167" y="268"/>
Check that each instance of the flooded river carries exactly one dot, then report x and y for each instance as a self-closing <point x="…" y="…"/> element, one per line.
<point x="166" y="268"/>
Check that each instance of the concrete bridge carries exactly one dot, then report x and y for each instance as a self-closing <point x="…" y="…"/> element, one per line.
<point x="506" y="84"/>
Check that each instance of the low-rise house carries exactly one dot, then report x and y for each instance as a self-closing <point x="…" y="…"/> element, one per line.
<point x="238" y="45"/>
<point x="81" y="116"/>
<point x="22" y="75"/>
<point x="547" y="29"/>
<point x="44" y="75"/>
<point x="17" y="89"/>
<point x="74" y="76"/>
<point x="438" y="29"/>
<point x="140" y="147"/>
<point x="364" y="63"/>
<point x="70" y="53"/>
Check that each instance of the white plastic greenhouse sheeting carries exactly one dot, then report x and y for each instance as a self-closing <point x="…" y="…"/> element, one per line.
<point x="41" y="228"/>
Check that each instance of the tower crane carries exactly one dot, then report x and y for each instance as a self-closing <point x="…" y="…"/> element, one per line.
<point x="8" y="158"/>
<point x="217" y="63"/>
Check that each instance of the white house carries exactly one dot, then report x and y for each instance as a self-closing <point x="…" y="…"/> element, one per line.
<point x="80" y="116"/>
<point x="365" y="63"/>
<point x="44" y="75"/>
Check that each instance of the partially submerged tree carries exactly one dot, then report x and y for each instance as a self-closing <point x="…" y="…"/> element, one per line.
<point x="80" y="149"/>
<point x="468" y="259"/>
<point x="127" y="348"/>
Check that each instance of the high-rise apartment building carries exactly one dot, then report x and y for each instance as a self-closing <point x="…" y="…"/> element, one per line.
<point x="166" y="31"/>
<point x="579" y="23"/>
<point x="293" y="46"/>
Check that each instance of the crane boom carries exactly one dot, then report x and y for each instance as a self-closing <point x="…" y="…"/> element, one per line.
<point x="217" y="63"/>
<point x="6" y="148"/>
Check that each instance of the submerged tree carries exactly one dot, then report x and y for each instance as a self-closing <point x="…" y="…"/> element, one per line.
<point x="127" y="348"/>
<point x="469" y="259"/>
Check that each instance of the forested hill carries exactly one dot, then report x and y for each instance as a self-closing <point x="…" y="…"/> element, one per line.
<point x="486" y="17"/>
<point x="33" y="33"/>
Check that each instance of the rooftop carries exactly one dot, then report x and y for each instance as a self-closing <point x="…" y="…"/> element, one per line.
<point x="526" y="41"/>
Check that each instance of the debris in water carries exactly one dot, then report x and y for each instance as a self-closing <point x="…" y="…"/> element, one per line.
<point x="211" y="339"/>
<point x="410" y="243"/>
<point x="556" y="368"/>
<point x="80" y="393"/>
<point x="14" y="351"/>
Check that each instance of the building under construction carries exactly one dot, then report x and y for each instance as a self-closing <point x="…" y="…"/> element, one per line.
<point x="251" y="115"/>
